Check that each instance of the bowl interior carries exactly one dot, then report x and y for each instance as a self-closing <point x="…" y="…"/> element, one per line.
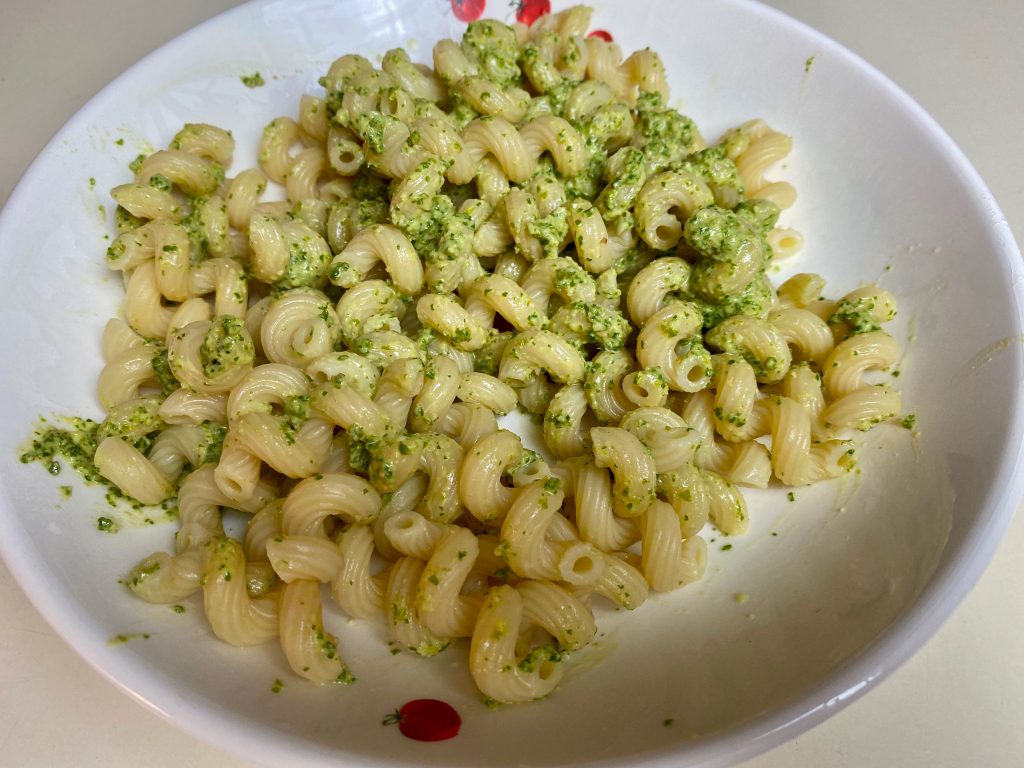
<point x="692" y="676"/>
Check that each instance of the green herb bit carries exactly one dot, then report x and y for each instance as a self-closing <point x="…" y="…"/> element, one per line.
<point x="121" y="639"/>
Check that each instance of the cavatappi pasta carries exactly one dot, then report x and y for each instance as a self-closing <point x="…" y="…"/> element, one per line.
<point x="528" y="225"/>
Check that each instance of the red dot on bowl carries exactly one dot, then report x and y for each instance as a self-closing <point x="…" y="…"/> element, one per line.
<point x="468" y="10"/>
<point x="528" y="11"/>
<point x="426" y="720"/>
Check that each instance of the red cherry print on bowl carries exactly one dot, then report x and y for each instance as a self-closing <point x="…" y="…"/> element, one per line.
<point x="426" y="719"/>
<point x="606" y="36"/>
<point x="468" y="10"/>
<point x="528" y="11"/>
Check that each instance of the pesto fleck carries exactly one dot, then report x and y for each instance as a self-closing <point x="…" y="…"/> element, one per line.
<point x="121" y="639"/>
<point x="226" y="345"/>
<point x="136" y="164"/>
<point x="75" y="444"/>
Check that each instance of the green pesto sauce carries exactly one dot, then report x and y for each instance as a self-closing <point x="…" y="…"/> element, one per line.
<point x="488" y="358"/>
<point x="227" y="345"/>
<point x="538" y="656"/>
<point x="761" y="215"/>
<point x="856" y="316"/>
<point x="124" y="638"/>
<point x="808" y="64"/>
<point x="297" y="407"/>
<point x="754" y="300"/>
<point x="358" y="455"/>
<point x="371" y="127"/>
<point x="431" y="224"/>
<point x="550" y="230"/>
<point x="126" y="222"/>
<point x="497" y="54"/>
<point x="158" y="181"/>
<point x="717" y="170"/>
<point x="296" y="413"/>
<point x="618" y="196"/>
<point x="307" y="266"/>
<point x="76" y="445"/>
<point x="717" y="234"/>
<point x="456" y="236"/>
<point x="669" y="135"/>
<point x="255" y="80"/>
<point x="277" y="686"/>
<point x="558" y="419"/>
<point x="133" y="426"/>
<point x="136" y="164"/>
<point x="197" y="229"/>
<point x="608" y="327"/>
<point x="162" y="371"/>
<point x="370" y="186"/>
<point x="213" y="442"/>
<point x="722" y="239"/>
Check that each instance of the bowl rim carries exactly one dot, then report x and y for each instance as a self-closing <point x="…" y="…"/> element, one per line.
<point x="953" y="579"/>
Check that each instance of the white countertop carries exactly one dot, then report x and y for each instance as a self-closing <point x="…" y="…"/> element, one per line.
<point x="959" y="701"/>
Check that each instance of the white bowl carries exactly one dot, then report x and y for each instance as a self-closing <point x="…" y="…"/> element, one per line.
<point x="861" y="572"/>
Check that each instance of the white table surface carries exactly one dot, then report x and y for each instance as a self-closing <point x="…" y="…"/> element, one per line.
<point x="958" y="702"/>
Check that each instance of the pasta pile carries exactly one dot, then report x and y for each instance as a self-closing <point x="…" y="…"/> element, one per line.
<point x="527" y="225"/>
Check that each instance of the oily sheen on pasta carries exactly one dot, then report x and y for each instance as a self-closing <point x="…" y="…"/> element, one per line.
<point x="525" y="225"/>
